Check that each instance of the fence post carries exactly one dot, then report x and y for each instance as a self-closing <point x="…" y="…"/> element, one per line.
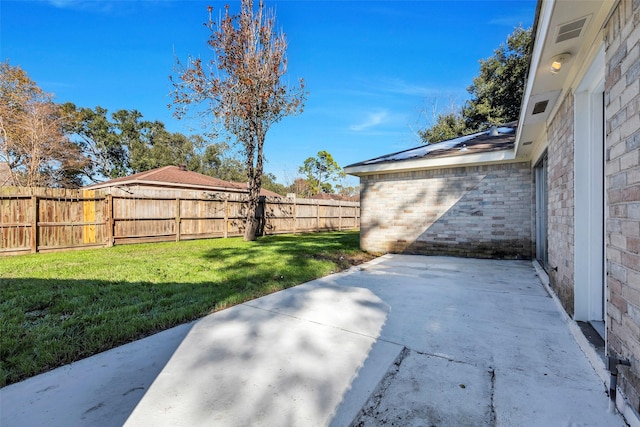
<point x="34" y="224"/>
<point x="295" y="216"/>
<point x="226" y="218"/>
<point x="110" y="221"/>
<point x="340" y="216"/>
<point x="318" y="215"/>
<point x="178" y="219"/>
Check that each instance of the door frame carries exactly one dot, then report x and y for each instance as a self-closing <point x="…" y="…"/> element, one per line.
<point x="589" y="195"/>
<point x="541" y="213"/>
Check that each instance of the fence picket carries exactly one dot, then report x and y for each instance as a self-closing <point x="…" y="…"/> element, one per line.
<point x="39" y="219"/>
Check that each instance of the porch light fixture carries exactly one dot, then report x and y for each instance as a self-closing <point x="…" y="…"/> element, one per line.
<point x="557" y="62"/>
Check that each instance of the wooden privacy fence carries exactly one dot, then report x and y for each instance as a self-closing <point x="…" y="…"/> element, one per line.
<point x="37" y="220"/>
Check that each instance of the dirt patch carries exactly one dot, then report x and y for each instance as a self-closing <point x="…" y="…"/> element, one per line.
<point x="345" y="260"/>
<point x="430" y="391"/>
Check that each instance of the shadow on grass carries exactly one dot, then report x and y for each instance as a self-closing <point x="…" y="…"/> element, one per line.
<point x="301" y="250"/>
<point x="48" y="323"/>
<point x="246" y="340"/>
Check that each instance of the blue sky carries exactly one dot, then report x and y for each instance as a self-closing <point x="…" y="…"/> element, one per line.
<point x="375" y="70"/>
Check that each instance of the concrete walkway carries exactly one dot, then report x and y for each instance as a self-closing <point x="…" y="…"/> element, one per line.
<point x="403" y="340"/>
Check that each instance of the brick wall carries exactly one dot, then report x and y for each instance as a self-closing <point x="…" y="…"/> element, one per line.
<point x="476" y="211"/>
<point x="622" y="101"/>
<point x="560" y="177"/>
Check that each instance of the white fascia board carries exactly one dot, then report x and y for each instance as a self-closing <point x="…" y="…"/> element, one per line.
<point x="541" y="36"/>
<point x="503" y="156"/>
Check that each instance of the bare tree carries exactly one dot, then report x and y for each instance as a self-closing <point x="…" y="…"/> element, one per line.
<point x="301" y="188"/>
<point x="32" y="134"/>
<point x="242" y="87"/>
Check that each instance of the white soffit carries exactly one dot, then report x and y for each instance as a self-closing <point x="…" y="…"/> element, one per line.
<point x="539" y="106"/>
<point x="563" y="26"/>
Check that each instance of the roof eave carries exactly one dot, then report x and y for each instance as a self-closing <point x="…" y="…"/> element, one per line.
<point x="541" y="25"/>
<point x="164" y="184"/>
<point x="541" y="84"/>
<point x="475" y="159"/>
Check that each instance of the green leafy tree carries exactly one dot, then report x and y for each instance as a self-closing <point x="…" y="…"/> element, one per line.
<point x="242" y="86"/>
<point x="447" y="126"/>
<point x="319" y="170"/>
<point x="108" y="156"/>
<point x="133" y="133"/>
<point x="496" y="93"/>
<point x="159" y="147"/>
<point x="122" y="143"/>
<point x="269" y="183"/>
<point x="498" y="89"/>
<point x="218" y="163"/>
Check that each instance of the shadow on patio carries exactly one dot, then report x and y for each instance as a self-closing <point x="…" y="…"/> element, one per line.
<point x="404" y="339"/>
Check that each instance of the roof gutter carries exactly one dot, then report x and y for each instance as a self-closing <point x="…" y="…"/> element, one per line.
<point x="542" y="22"/>
<point x="477" y="159"/>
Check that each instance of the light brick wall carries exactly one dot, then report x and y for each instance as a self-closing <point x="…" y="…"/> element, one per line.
<point x="477" y="211"/>
<point x="622" y="103"/>
<point x="561" y="203"/>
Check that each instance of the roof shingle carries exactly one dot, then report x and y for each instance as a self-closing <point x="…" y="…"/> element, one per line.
<point x="175" y="176"/>
<point x="494" y="139"/>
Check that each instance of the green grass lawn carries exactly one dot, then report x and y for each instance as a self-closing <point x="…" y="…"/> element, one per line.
<point x="56" y="308"/>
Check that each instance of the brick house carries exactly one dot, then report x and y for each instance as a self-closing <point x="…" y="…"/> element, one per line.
<point x="566" y="194"/>
<point x="469" y="197"/>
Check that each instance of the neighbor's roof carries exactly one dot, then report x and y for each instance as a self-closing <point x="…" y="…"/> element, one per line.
<point x="175" y="177"/>
<point x="448" y="153"/>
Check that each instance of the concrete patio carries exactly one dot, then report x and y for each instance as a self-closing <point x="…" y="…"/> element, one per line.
<point x="403" y="340"/>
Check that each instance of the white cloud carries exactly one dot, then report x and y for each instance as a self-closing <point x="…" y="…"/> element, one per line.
<point x="401" y="87"/>
<point x="100" y="6"/>
<point x="68" y="4"/>
<point x="371" y="120"/>
<point x="60" y="3"/>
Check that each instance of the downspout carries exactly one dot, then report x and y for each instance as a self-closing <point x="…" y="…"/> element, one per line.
<point x="613" y="381"/>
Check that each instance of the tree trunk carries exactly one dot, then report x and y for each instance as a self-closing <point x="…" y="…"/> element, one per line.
<point x="255" y="183"/>
<point x="251" y="223"/>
